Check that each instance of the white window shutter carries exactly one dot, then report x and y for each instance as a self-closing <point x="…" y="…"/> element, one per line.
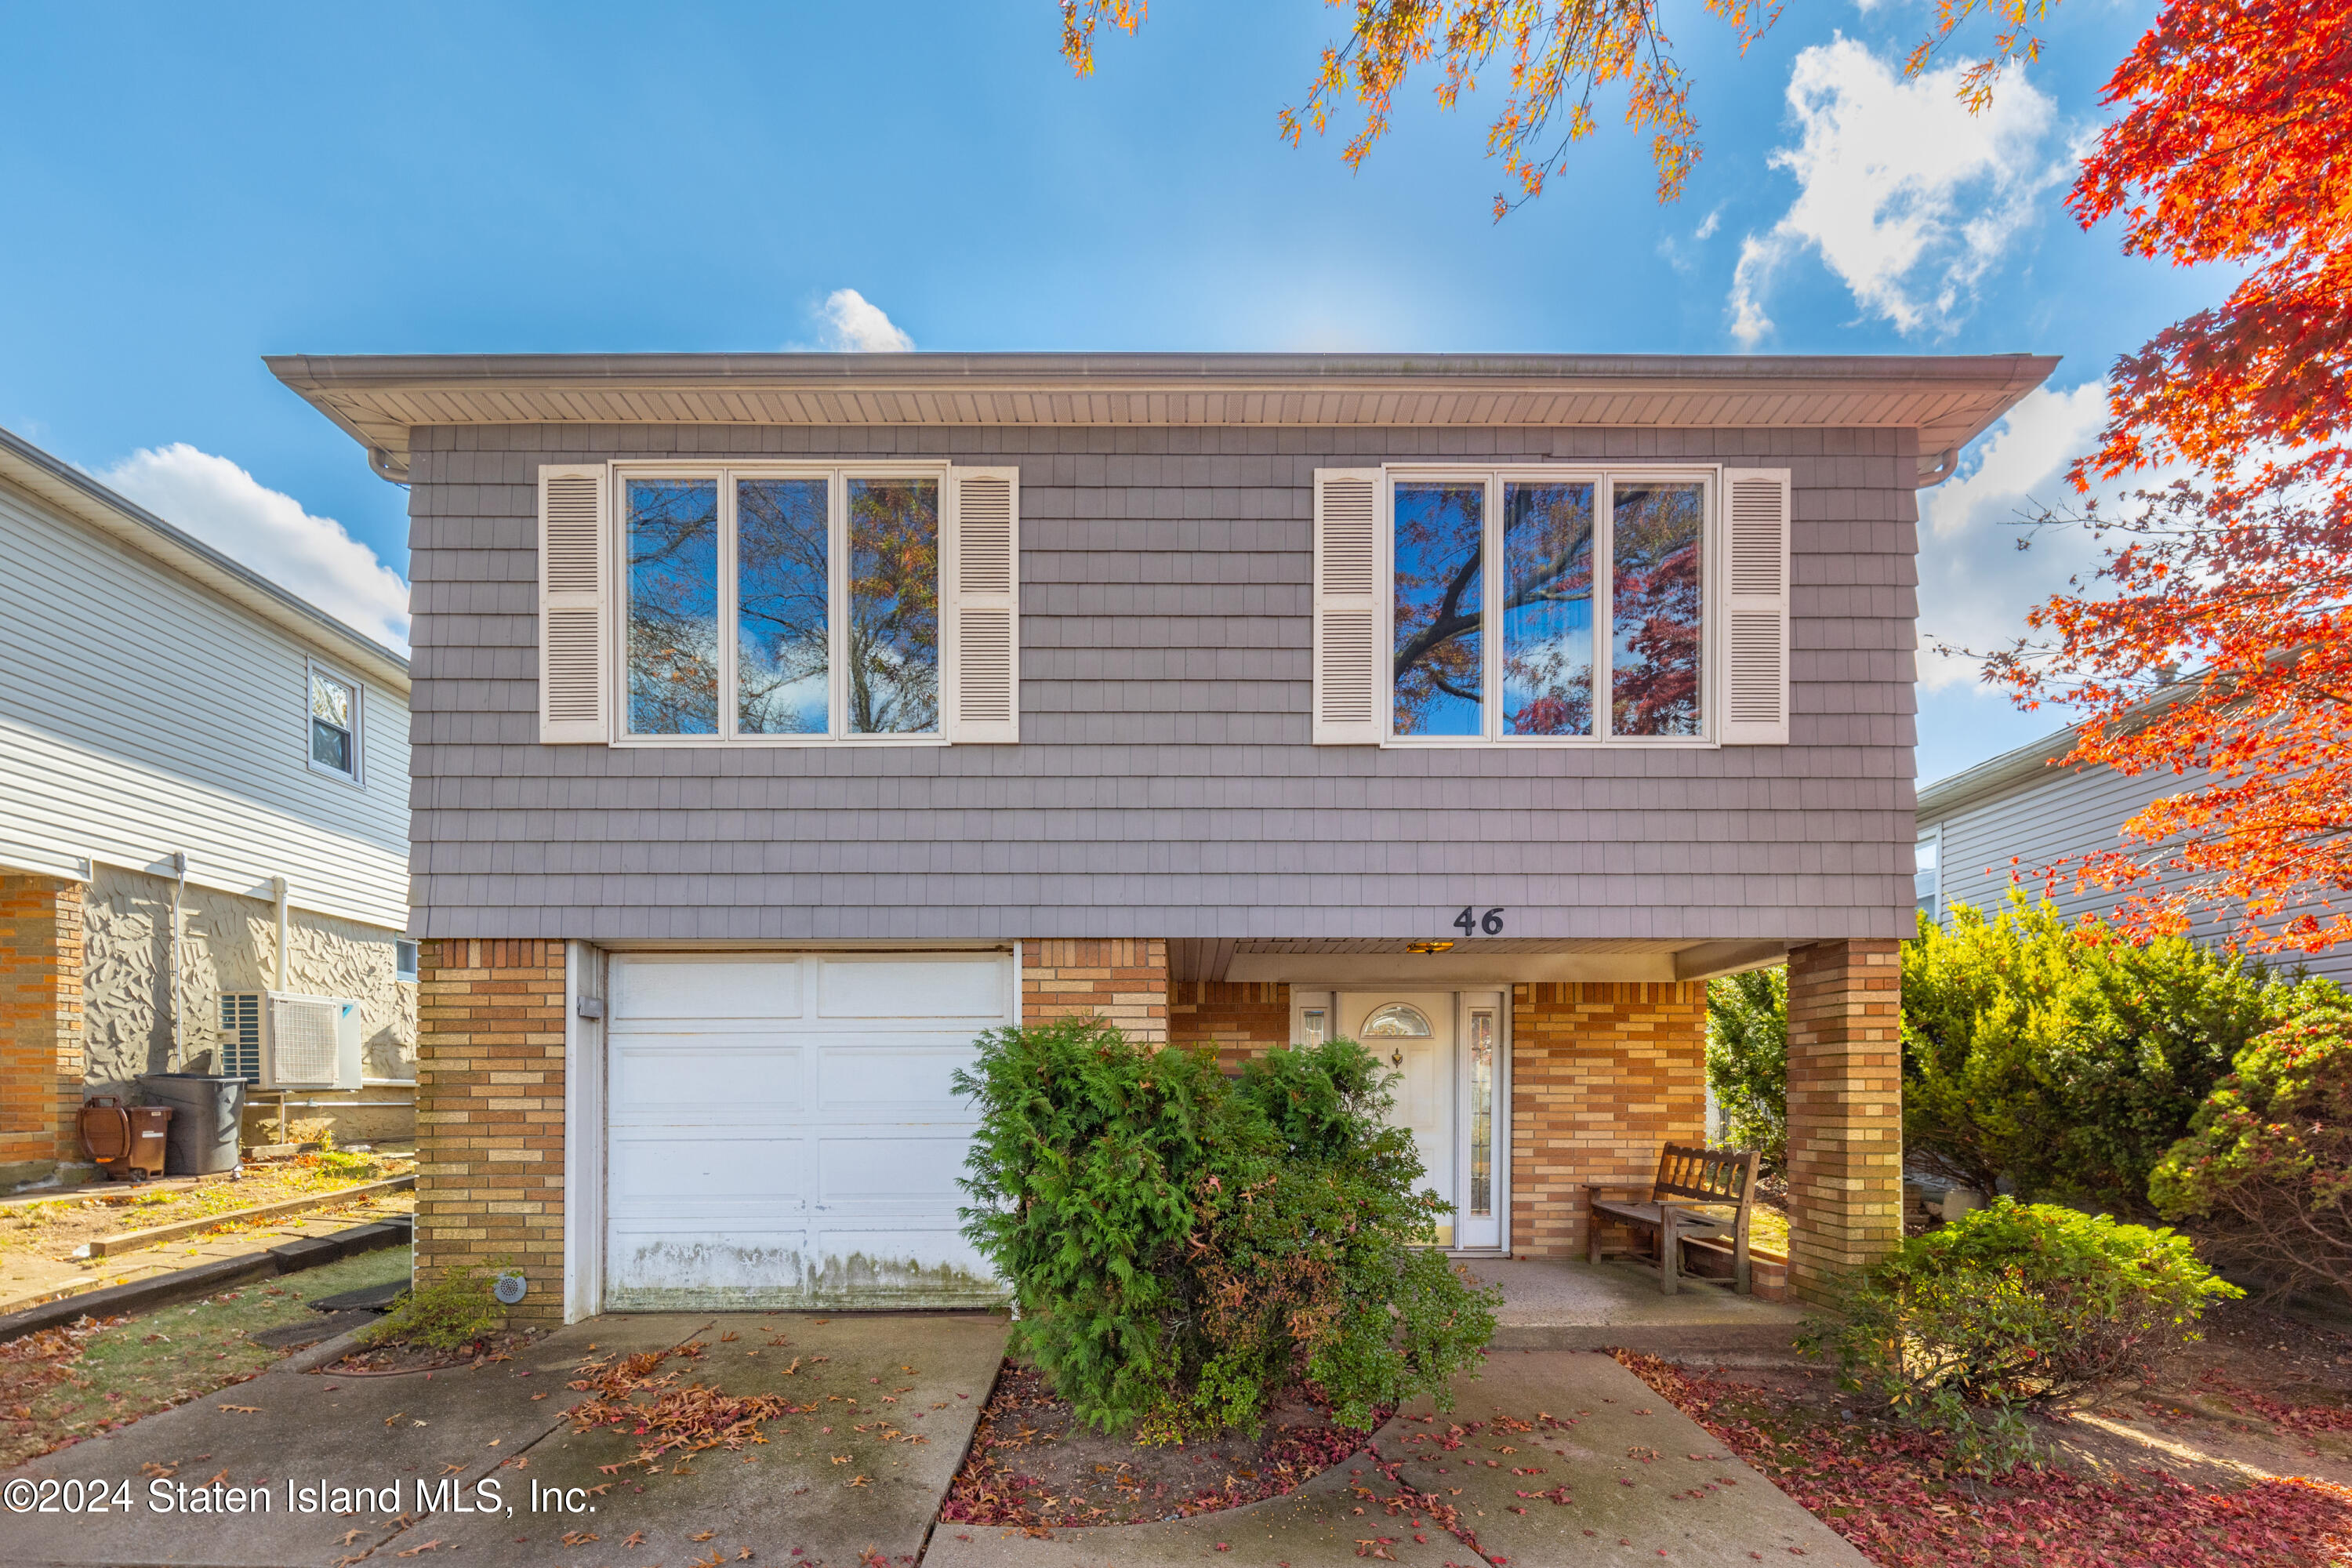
<point x="1756" y="607"/>
<point x="1348" y="663"/>
<point x="983" y="609"/>
<point x="574" y="603"/>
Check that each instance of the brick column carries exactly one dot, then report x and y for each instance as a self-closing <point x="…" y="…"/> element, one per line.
<point x="41" y="1060"/>
<point x="1602" y="1075"/>
<point x="489" y="1112"/>
<point x="1845" y="1111"/>
<point x="1124" y="979"/>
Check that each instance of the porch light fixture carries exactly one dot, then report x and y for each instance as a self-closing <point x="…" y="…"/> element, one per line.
<point x="1427" y="946"/>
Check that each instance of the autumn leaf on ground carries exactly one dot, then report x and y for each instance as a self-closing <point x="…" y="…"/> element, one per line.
<point x="351" y="1535"/>
<point x="242" y="1409"/>
<point x="415" y="1551"/>
<point x="702" y="1535"/>
<point x="581" y="1537"/>
<point x="635" y="1538"/>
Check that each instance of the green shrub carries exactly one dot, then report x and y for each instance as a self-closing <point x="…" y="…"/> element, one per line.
<point x="2266" y="1168"/>
<point x="2064" y="1057"/>
<point x="2012" y="1306"/>
<point x="453" y="1312"/>
<point x="1181" y="1247"/>
<point x="1748" y="1060"/>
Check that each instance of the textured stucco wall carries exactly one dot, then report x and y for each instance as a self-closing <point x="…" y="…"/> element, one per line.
<point x="227" y="943"/>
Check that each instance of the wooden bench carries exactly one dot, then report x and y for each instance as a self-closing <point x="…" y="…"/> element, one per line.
<point x="1715" y="1177"/>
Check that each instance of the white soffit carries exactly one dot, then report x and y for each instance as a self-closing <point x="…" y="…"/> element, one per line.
<point x="1948" y="400"/>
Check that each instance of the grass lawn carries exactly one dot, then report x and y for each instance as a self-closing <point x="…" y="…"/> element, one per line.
<point x="64" y="1385"/>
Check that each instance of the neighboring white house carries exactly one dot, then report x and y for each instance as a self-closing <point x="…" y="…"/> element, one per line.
<point x="203" y="801"/>
<point x="2022" y="811"/>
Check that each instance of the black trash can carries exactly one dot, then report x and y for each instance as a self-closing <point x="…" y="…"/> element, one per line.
<point x="208" y="1113"/>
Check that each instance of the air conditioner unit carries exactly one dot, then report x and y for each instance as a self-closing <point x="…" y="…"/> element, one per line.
<point x="278" y="1039"/>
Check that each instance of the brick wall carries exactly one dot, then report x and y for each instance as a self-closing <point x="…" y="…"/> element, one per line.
<point x="489" y="1112"/>
<point x="1236" y="1019"/>
<point x="41" y="939"/>
<point x="1124" y="979"/>
<point x="1845" y="1111"/>
<point x="1601" y="1076"/>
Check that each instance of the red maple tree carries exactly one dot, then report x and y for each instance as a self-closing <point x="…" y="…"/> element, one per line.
<point x="2234" y="146"/>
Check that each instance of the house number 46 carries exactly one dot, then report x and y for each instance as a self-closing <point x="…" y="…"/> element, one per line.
<point x="1471" y="922"/>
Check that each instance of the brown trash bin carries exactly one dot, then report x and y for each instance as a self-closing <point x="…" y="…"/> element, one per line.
<point x="125" y="1141"/>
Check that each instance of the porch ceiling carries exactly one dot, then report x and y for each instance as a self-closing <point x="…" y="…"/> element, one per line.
<point x="1496" y="961"/>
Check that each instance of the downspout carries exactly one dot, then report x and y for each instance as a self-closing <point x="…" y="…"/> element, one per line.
<point x="179" y="886"/>
<point x="278" y="886"/>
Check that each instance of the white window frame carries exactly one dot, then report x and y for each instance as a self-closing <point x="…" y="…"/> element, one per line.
<point x="357" y="776"/>
<point x="1602" y="477"/>
<point x="838" y="476"/>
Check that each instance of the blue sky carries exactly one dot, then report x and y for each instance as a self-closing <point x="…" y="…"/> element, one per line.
<point x="197" y="186"/>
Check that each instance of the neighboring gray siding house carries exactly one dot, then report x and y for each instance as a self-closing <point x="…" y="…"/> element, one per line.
<point x="203" y="795"/>
<point x="2004" y="821"/>
<point x="783" y="720"/>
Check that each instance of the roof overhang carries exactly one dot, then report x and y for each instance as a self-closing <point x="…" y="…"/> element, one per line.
<point x="69" y="490"/>
<point x="1394" y="962"/>
<point x="1948" y="399"/>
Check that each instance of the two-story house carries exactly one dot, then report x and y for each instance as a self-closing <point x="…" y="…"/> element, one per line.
<point x="203" y="787"/>
<point x="782" y="721"/>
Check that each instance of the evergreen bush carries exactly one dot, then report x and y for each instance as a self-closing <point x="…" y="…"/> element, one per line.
<point x="2064" y="1057"/>
<point x="2012" y="1306"/>
<point x="2265" y="1172"/>
<point x="1182" y="1248"/>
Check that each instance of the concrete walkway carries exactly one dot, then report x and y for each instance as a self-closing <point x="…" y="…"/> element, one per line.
<point x="1632" y="1480"/>
<point x="1554" y="1305"/>
<point x="834" y="1484"/>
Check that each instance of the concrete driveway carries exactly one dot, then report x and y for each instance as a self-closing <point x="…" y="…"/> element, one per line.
<point x="483" y="1464"/>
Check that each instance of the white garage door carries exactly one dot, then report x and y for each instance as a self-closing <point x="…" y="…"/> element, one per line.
<point x="781" y="1129"/>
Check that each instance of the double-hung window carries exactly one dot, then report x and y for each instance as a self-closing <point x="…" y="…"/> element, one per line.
<point x="778" y="604"/>
<point x="334" y="725"/>
<point x="1551" y="606"/>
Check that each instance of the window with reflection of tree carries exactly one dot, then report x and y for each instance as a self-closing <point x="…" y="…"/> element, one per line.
<point x="673" y="607"/>
<point x="894" y="597"/>
<point x="832" y="605"/>
<point x="1540" y="558"/>
<point x="784" y="668"/>
<point x="1440" y="642"/>
<point x="1654" y="665"/>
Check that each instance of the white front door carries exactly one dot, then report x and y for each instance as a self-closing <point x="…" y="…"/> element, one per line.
<point x="781" y="1129"/>
<point x="1412" y="1035"/>
<point x="1447" y="1049"/>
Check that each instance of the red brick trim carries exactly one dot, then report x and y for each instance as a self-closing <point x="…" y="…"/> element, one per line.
<point x="1236" y="1020"/>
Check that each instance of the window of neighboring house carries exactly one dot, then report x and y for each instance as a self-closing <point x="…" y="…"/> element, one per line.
<point x="403" y="959"/>
<point x="334" y="725"/>
<point x="1926" y="877"/>
<point x="802" y="604"/>
<point x="1528" y="604"/>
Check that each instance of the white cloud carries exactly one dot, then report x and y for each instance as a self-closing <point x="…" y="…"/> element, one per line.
<point x="1713" y="221"/>
<point x="1975" y="583"/>
<point x="851" y="324"/>
<point x="1908" y="197"/>
<point x="228" y="508"/>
